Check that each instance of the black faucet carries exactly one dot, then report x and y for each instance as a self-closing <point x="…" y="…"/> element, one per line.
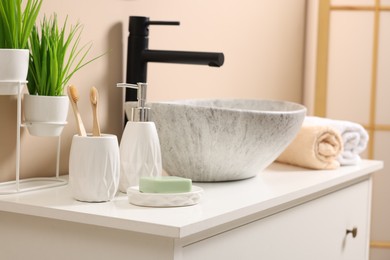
<point x="138" y="54"/>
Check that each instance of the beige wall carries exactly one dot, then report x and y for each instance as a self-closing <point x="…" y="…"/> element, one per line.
<point x="263" y="43"/>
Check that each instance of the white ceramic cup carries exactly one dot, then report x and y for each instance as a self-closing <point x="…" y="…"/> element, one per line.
<point x="94" y="168"/>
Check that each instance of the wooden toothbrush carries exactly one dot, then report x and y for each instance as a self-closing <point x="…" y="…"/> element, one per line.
<point x="94" y="95"/>
<point x="74" y="97"/>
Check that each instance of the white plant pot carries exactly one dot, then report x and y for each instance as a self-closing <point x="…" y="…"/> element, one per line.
<point x="45" y="115"/>
<point x="13" y="64"/>
<point x="94" y="167"/>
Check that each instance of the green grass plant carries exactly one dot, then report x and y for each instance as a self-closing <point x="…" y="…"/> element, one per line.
<point x="16" y="23"/>
<point x="55" y="56"/>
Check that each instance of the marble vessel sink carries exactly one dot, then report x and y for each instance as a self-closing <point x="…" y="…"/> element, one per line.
<point x="223" y="140"/>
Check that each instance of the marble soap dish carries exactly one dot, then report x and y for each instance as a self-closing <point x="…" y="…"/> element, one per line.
<point x="164" y="199"/>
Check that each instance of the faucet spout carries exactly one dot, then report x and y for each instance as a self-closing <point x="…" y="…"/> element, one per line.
<point x="212" y="59"/>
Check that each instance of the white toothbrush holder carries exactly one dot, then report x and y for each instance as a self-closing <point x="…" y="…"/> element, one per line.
<point x="94" y="167"/>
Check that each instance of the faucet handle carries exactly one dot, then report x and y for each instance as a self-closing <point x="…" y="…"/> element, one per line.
<point x="163" y="23"/>
<point x="139" y="25"/>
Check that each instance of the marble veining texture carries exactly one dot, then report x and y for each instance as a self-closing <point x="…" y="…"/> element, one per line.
<point x="224" y="140"/>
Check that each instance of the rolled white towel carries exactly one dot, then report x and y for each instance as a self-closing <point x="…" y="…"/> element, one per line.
<point x="353" y="135"/>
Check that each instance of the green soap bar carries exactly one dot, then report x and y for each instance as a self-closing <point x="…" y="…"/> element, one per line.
<point x="165" y="184"/>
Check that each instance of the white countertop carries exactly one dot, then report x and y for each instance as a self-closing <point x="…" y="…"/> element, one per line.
<point x="277" y="186"/>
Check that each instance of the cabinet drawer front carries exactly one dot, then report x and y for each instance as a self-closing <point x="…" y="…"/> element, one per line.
<point x="314" y="230"/>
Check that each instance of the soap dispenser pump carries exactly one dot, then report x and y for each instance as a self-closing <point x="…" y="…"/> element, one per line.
<point x="140" y="151"/>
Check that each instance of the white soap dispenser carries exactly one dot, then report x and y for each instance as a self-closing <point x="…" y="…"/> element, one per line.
<point x="140" y="152"/>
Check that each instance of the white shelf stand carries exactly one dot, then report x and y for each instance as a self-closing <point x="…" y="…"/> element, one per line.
<point x="30" y="184"/>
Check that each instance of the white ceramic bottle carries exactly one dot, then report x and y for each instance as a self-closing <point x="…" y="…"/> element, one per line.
<point x="140" y="153"/>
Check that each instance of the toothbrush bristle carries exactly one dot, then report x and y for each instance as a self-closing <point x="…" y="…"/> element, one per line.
<point x="93" y="95"/>
<point x="73" y="93"/>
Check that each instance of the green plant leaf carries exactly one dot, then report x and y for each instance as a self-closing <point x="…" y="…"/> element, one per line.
<point x="16" y="23"/>
<point x="55" y="56"/>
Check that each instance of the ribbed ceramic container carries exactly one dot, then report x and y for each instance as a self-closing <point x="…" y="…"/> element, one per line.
<point x="140" y="153"/>
<point x="94" y="168"/>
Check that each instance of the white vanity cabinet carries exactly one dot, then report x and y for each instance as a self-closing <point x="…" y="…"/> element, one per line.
<point x="314" y="230"/>
<point x="283" y="213"/>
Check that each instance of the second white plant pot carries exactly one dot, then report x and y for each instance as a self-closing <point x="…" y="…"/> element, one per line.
<point x="94" y="168"/>
<point x="45" y="115"/>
